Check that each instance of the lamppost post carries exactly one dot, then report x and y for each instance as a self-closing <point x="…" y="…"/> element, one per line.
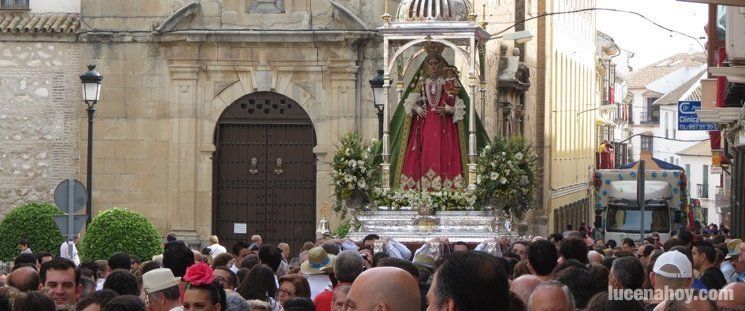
<point x="89" y="173"/>
<point x="91" y="82"/>
<point x="376" y="84"/>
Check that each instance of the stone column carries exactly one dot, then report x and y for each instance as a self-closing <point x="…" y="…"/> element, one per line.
<point x="182" y="151"/>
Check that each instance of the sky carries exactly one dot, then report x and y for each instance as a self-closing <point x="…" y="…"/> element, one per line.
<point x="650" y="43"/>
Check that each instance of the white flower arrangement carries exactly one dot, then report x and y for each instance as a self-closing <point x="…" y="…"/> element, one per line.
<point x="441" y="200"/>
<point x="506" y="171"/>
<point x="355" y="171"/>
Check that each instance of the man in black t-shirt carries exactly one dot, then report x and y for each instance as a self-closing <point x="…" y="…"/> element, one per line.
<point x="704" y="256"/>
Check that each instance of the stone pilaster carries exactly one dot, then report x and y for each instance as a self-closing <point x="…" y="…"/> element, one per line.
<point x="183" y="171"/>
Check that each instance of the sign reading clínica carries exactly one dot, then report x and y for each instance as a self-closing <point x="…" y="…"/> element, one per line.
<point x="688" y="120"/>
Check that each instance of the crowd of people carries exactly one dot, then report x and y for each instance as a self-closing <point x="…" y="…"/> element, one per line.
<point x="563" y="271"/>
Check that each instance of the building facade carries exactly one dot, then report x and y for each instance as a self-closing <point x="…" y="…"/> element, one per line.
<point x="567" y="87"/>
<point x="215" y="117"/>
<point x="724" y="106"/>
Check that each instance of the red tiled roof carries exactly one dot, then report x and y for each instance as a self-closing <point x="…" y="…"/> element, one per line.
<point x="39" y="23"/>
<point x="676" y="95"/>
<point x="641" y="77"/>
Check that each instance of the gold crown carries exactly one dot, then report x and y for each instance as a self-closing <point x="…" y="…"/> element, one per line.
<point x="433" y="48"/>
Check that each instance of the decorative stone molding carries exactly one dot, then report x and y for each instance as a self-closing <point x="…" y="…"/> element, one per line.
<point x="182" y="14"/>
<point x="266" y="6"/>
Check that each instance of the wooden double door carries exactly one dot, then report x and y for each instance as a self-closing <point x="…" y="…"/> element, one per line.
<point x="264" y="172"/>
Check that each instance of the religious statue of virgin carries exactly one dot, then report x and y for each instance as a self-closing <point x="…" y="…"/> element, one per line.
<point x="429" y="128"/>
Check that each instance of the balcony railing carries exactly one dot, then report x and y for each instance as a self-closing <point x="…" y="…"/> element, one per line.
<point x="14" y="5"/>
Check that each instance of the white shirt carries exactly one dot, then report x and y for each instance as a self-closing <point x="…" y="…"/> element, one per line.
<point x="216" y="249"/>
<point x="99" y="284"/>
<point x="64" y="252"/>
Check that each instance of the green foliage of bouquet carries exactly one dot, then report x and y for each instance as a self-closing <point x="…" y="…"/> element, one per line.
<point x="446" y="199"/>
<point x="120" y="230"/>
<point x="506" y="171"/>
<point x="355" y="171"/>
<point x="342" y="230"/>
<point x="32" y="221"/>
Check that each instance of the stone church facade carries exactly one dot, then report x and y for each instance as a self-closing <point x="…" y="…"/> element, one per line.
<point x="216" y="116"/>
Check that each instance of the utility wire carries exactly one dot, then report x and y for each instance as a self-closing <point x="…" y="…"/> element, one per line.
<point x="666" y="138"/>
<point x="493" y="36"/>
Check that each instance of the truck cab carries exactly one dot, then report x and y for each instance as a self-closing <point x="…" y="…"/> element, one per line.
<point x="623" y="215"/>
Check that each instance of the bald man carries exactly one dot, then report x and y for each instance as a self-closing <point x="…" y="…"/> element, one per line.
<point x="25" y="279"/>
<point x="285" y="251"/>
<point x="524" y="286"/>
<point x="737" y="292"/>
<point x="551" y="295"/>
<point x="256" y="239"/>
<point x="384" y="288"/>
<point x="594" y="256"/>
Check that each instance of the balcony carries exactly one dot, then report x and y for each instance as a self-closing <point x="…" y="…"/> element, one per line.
<point x="702" y="191"/>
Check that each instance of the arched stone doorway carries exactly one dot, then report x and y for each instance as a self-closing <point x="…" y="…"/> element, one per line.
<point x="264" y="174"/>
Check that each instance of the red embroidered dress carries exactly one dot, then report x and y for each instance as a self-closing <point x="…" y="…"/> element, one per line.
<point x="433" y="158"/>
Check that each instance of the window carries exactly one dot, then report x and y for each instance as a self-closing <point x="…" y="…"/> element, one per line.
<point x="688" y="175"/>
<point x="625" y="216"/>
<point x="721" y="22"/>
<point x="651" y="115"/>
<point x="705" y="186"/>
<point x="646" y="144"/>
<point x="14" y="4"/>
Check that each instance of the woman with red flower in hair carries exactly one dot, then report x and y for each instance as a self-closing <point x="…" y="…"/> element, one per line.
<point x="202" y="292"/>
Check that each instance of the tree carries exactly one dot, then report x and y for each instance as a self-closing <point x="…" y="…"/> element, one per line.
<point x="34" y="222"/>
<point x="120" y="230"/>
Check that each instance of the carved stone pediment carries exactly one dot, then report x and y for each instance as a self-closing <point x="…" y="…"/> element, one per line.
<point x="260" y="15"/>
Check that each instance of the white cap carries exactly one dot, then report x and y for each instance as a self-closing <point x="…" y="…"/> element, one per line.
<point x="677" y="259"/>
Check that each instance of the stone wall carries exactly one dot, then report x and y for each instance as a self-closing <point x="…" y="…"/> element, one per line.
<point x="39" y="112"/>
<point x="131" y="130"/>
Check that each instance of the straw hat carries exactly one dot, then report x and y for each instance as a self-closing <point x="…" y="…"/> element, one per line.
<point x="318" y="262"/>
<point x="159" y="279"/>
<point x="733" y="248"/>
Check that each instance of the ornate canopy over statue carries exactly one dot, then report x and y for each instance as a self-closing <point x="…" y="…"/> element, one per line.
<point x="432" y="139"/>
<point x="429" y="10"/>
<point x="433" y="55"/>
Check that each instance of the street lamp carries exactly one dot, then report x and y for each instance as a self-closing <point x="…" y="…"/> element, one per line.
<point x="377" y="87"/>
<point x="91" y="81"/>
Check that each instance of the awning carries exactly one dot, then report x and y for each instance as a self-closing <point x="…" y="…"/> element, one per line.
<point x="601" y="120"/>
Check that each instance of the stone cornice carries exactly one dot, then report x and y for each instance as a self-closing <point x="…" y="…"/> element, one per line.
<point x="264" y="36"/>
<point x="38" y="37"/>
<point x="229" y="35"/>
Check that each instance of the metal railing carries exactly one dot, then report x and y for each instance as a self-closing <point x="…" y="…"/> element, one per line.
<point x="14" y="5"/>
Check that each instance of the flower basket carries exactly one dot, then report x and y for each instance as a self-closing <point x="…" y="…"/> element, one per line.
<point x="505" y="176"/>
<point x="355" y="171"/>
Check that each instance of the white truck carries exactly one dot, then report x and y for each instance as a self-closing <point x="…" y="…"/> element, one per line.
<point x="617" y="212"/>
